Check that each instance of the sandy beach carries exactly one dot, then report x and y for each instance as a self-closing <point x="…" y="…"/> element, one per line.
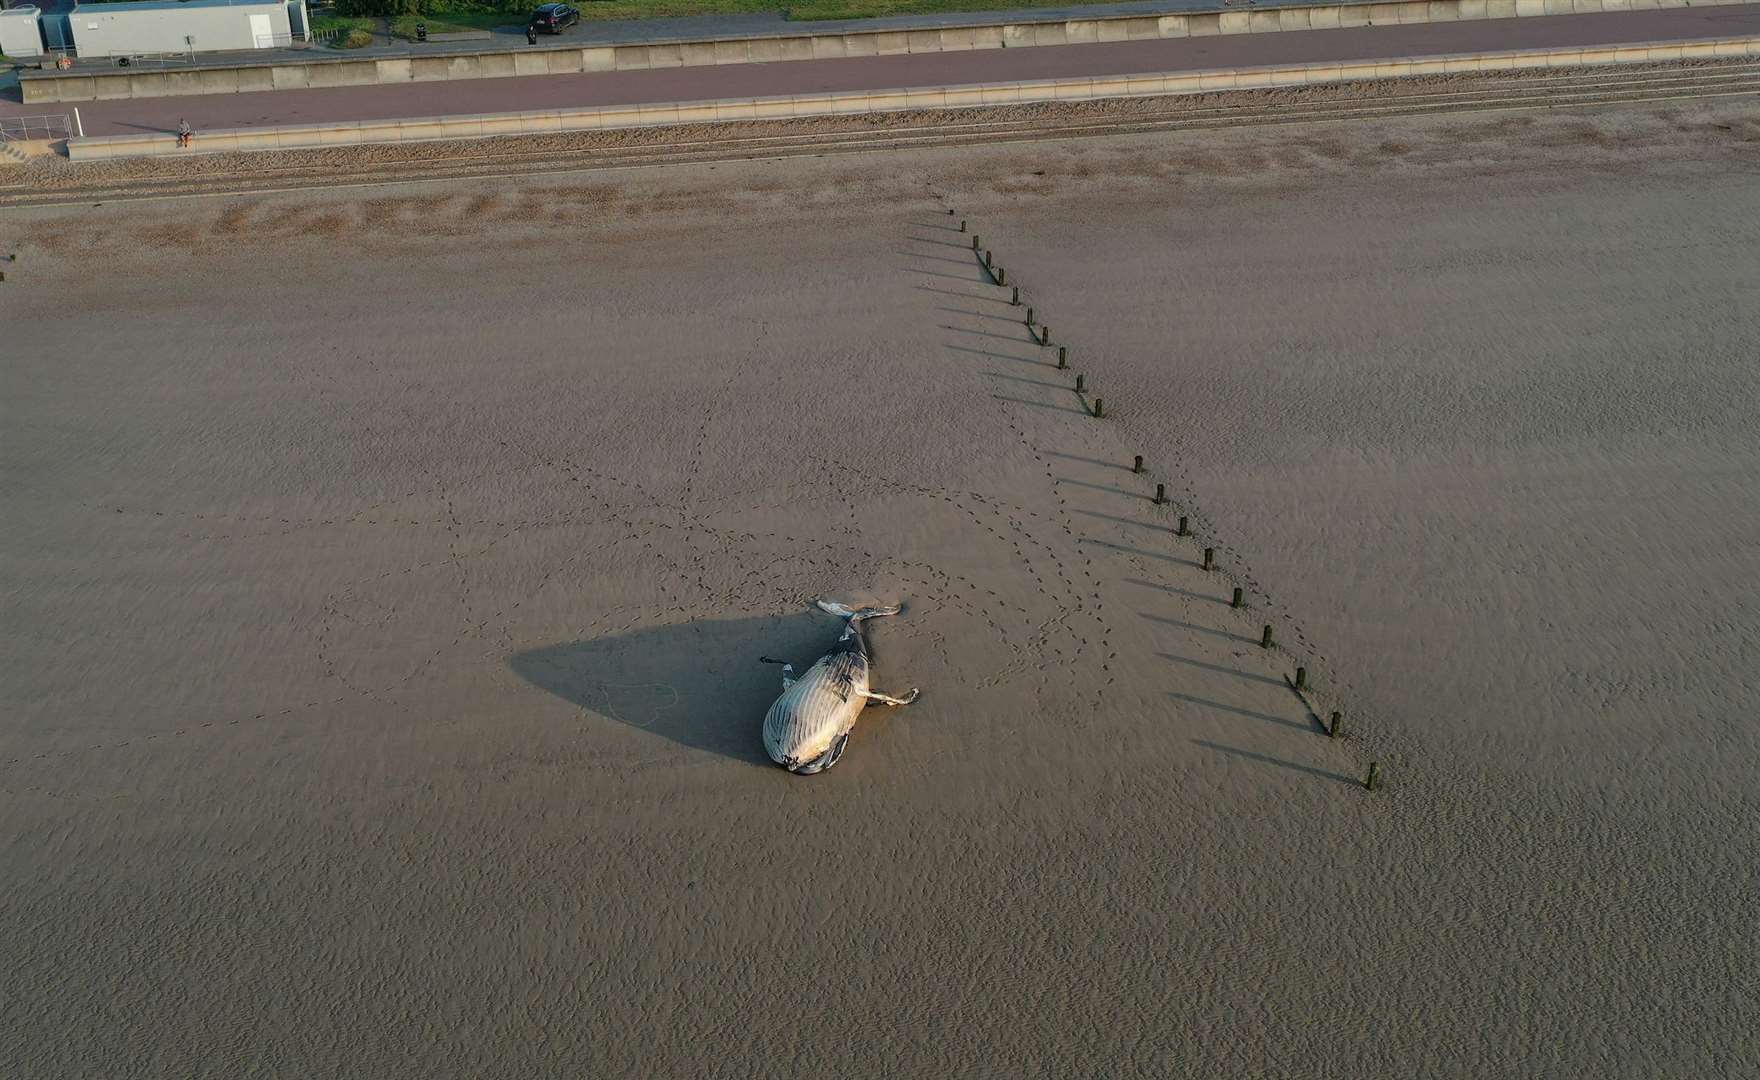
<point x="384" y="573"/>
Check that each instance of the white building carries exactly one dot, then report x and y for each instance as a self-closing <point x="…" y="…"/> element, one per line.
<point x="182" y="26"/>
<point x="19" y="36"/>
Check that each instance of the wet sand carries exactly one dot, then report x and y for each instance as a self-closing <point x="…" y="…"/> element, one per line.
<point x="385" y="574"/>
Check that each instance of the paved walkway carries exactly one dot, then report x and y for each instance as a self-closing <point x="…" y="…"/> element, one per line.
<point x="891" y="72"/>
<point x="726" y="27"/>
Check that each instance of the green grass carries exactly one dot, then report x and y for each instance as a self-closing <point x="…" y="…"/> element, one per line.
<point x="337" y="22"/>
<point x="323" y="23"/>
<point x="453" y="22"/>
<point x="352" y="33"/>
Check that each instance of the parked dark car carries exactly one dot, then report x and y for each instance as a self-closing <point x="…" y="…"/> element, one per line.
<point x="553" y="18"/>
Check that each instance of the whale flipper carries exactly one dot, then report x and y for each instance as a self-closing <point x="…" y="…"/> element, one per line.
<point x="826" y="760"/>
<point x="875" y="697"/>
<point x="843" y="611"/>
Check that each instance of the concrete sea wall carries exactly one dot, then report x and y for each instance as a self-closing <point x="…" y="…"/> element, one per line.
<point x="320" y="71"/>
<point x="305" y="136"/>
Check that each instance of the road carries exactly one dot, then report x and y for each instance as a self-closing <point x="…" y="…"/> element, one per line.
<point x="887" y="72"/>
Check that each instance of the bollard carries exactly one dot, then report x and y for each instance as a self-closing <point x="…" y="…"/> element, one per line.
<point x="1001" y="276"/>
<point x="1046" y="330"/>
<point x="1015" y="300"/>
<point x="1236" y="601"/>
<point x="1062" y="357"/>
<point x="974" y="241"/>
<point x="1209" y="558"/>
<point x="1099" y="408"/>
<point x="986" y="258"/>
<point x="1137" y="464"/>
<point x="1183" y="531"/>
<point x="1160" y="493"/>
<point x="950" y="211"/>
<point x="1374" y="780"/>
<point x="1265" y="638"/>
<point x="1029" y="318"/>
<point x="1332" y="729"/>
<point x="1078" y="384"/>
<point x="2" y="275"/>
<point x="1301" y="678"/>
<point x="962" y="224"/>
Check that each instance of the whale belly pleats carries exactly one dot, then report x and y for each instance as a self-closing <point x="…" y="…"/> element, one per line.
<point x="811" y="716"/>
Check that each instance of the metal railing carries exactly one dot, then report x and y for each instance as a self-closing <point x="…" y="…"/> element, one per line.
<point x="24" y="128"/>
<point x="156" y="60"/>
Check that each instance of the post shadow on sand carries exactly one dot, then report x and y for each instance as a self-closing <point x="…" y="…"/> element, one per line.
<point x="1139" y="552"/>
<point x="1236" y="710"/>
<point x="1136" y="522"/>
<point x="1002" y="356"/>
<point x="1235" y="751"/>
<point x="935" y="242"/>
<point x="1041" y="404"/>
<point x="1177" y="591"/>
<point x="967" y="279"/>
<point x="1089" y="461"/>
<point x="1213" y="631"/>
<point x="1011" y="338"/>
<point x="962" y="295"/>
<point x="1026" y="381"/>
<point x="1220" y="669"/>
<point x="936" y="258"/>
<point x="698" y="684"/>
<point x="998" y="316"/>
<point x="1312" y="713"/>
<point x="1110" y="489"/>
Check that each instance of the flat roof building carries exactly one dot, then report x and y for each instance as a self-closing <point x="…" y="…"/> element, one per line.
<point x="19" y="33"/>
<point x="182" y="26"/>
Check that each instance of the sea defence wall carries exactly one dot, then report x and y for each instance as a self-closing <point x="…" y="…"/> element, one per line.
<point x="306" y="136"/>
<point x="322" y="71"/>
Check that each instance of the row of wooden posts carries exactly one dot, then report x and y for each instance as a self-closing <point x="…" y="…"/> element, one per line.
<point x="1335" y="724"/>
<point x="1038" y="331"/>
<point x="1041" y="335"/>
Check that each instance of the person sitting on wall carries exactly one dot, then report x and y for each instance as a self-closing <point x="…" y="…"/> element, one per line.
<point x="532" y="34"/>
<point x="183" y="134"/>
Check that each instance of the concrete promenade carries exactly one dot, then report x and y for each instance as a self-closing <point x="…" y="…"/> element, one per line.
<point x="749" y="26"/>
<point x="279" y="108"/>
<point x="325" y="69"/>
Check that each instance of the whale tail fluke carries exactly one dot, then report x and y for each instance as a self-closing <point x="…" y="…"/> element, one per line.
<point x="855" y="614"/>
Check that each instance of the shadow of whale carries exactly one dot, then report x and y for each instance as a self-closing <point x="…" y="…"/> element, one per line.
<point x="698" y="684"/>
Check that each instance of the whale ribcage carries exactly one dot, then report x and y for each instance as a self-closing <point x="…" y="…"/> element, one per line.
<point x="821" y="705"/>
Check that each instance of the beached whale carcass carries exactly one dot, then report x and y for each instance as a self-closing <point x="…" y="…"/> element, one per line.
<point x="808" y="727"/>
